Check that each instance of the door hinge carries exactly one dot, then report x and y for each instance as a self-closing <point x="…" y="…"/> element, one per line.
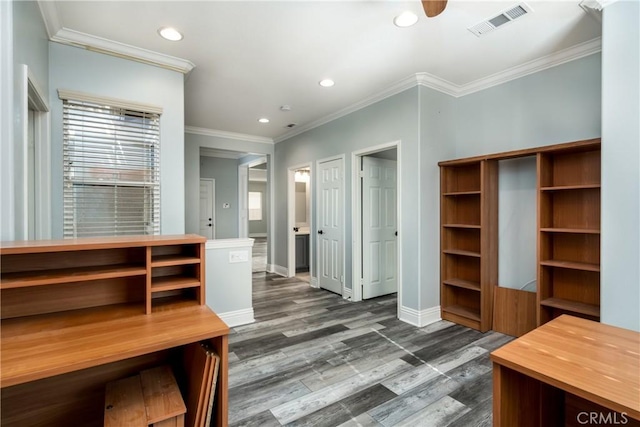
<point x="361" y="174"/>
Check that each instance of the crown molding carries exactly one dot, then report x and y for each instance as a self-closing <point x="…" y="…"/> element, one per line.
<point x="549" y="61"/>
<point x="49" y="12"/>
<point x="121" y="50"/>
<point x="220" y="154"/>
<point x="229" y="135"/>
<point x="441" y="85"/>
<point x="399" y="86"/>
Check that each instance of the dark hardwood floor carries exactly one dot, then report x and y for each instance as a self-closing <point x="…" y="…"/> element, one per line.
<point x="315" y="359"/>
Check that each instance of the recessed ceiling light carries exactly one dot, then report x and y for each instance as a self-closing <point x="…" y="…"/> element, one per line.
<point x="263" y="120"/>
<point x="170" y="33"/>
<point x="327" y="83"/>
<point x="405" y="19"/>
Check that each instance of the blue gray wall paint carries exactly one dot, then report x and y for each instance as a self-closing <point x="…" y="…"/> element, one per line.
<point x="259" y="227"/>
<point x="620" y="245"/>
<point x="193" y="142"/>
<point x="225" y="172"/>
<point x="31" y="42"/>
<point x="103" y="75"/>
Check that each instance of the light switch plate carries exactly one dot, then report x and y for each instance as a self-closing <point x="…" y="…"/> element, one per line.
<point x="225" y="206"/>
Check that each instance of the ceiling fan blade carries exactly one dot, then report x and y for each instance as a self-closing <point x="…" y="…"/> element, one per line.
<point x="433" y="7"/>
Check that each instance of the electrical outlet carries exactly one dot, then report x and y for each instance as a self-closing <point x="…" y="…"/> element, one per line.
<point x="238" y="256"/>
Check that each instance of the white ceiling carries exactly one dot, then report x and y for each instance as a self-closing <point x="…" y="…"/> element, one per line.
<point x="252" y="57"/>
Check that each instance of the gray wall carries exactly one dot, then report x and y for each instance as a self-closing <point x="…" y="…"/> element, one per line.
<point x="393" y="119"/>
<point x="225" y="172"/>
<point x="259" y="227"/>
<point x="103" y="75"/>
<point x="620" y="246"/>
<point x="192" y="145"/>
<point x="30" y="48"/>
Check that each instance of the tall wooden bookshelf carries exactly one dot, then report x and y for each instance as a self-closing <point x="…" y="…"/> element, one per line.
<point x="468" y="242"/>
<point x="569" y="233"/>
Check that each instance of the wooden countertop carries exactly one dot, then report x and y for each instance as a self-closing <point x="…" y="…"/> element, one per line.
<point x="598" y="362"/>
<point x="46" y="345"/>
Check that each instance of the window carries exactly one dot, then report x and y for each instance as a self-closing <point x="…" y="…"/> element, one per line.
<point x="111" y="169"/>
<point x="255" y="206"/>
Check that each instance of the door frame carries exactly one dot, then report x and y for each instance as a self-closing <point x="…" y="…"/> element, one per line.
<point x="243" y="196"/>
<point x="313" y="230"/>
<point x="356" y="216"/>
<point x="213" y="205"/>
<point x="291" y="219"/>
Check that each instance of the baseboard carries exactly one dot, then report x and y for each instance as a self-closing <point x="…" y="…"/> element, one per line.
<point x="257" y="234"/>
<point x="279" y="270"/>
<point x="314" y="282"/>
<point x="238" y="317"/>
<point x="420" y="318"/>
<point x="347" y="293"/>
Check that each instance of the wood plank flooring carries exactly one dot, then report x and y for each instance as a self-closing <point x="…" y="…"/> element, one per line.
<point x="315" y="359"/>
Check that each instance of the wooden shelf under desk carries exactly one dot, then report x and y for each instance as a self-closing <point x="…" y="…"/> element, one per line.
<point x="171" y="260"/>
<point x="69" y="275"/>
<point x="170" y="283"/>
<point x="568" y="355"/>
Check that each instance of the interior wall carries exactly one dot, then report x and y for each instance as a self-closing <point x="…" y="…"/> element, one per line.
<point x="104" y="75"/>
<point x="620" y="221"/>
<point x="259" y="227"/>
<point x="7" y="216"/>
<point x="30" y="48"/>
<point x="517" y="223"/>
<point x="193" y="142"/>
<point x="225" y="172"/>
<point x="392" y="119"/>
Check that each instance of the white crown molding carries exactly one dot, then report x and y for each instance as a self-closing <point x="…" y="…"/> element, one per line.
<point x="549" y="61"/>
<point x="436" y="83"/>
<point x="49" y="12"/>
<point x="400" y="86"/>
<point x="229" y="135"/>
<point x="121" y="50"/>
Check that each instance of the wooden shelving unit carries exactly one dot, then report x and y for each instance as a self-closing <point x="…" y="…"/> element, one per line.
<point x="468" y="242"/>
<point x="569" y="233"/>
<point x="77" y="314"/>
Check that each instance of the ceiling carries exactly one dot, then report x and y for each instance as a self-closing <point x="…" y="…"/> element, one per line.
<point x="253" y="57"/>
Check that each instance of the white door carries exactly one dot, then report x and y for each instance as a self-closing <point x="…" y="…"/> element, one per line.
<point x="207" y="211"/>
<point x="330" y="226"/>
<point x="379" y="226"/>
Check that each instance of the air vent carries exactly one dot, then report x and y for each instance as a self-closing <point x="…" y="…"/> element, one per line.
<point x="291" y="125"/>
<point x="501" y="19"/>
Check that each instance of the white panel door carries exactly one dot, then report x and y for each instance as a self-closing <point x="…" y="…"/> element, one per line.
<point x="207" y="212"/>
<point x="379" y="226"/>
<point x="331" y="226"/>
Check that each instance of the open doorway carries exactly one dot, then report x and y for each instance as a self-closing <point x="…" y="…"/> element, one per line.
<point x="299" y="222"/>
<point x="257" y="213"/>
<point x="376" y="205"/>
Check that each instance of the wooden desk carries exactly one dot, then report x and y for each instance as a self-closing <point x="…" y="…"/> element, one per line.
<point x="560" y="373"/>
<point x="78" y="314"/>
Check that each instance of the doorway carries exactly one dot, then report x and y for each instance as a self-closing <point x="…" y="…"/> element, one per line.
<point x="207" y="208"/>
<point x="330" y="225"/>
<point x="299" y="217"/>
<point x="376" y="225"/>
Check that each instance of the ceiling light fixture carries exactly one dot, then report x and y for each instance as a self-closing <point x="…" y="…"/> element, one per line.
<point x="263" y="120"/>
<point x="405" y="19"/>
<point x="170" y="33"/>
<point x="326" y="83"/>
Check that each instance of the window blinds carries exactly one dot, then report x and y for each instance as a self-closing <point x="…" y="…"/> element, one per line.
<point x="111" y="170"/>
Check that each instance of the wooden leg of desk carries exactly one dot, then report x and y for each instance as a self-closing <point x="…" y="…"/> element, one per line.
<point x="517" y="399"/>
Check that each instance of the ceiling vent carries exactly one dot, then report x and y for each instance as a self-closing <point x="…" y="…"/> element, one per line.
<point x="509" y="15"/>
<point x="290" y="125"/>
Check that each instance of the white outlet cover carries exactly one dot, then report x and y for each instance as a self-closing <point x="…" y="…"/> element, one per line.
<point x="238" y="256"/>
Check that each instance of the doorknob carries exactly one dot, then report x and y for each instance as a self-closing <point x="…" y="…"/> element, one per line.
<point x="320" y="232"/>
<point x="396" y="233"/>
<point x="296" y="229"/>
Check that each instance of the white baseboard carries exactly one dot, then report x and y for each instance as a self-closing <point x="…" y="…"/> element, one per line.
<point x="420" y="318"/>
<point x="279" y="270"/>
<point x="347" y="293"/>
<point x="257" y="234"/>
<point x="238" y="317"/>
<point x="314" y="282"/>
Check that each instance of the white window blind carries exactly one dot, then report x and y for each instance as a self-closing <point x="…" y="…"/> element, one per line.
<point x="255" y="206"/>
<point x="111" y="170"/>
